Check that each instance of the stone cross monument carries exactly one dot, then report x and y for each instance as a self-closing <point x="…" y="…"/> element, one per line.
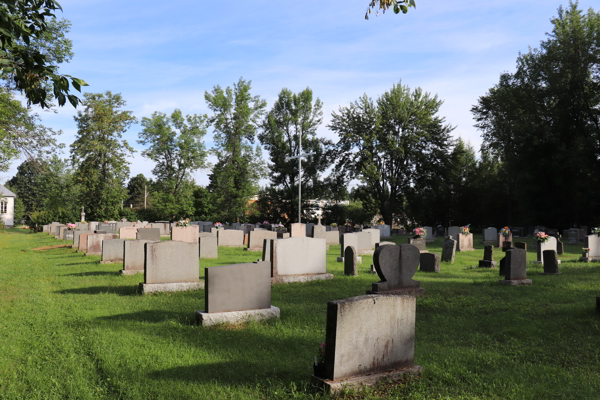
<point x="82" y="215"/>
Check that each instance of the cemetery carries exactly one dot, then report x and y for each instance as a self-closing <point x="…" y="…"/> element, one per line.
<point x="415" y="304"/>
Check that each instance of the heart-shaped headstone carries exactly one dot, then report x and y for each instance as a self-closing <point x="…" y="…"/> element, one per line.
<point x="396" y="265"/>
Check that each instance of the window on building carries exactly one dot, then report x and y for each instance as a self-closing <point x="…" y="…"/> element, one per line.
<point x="3" y="206"/>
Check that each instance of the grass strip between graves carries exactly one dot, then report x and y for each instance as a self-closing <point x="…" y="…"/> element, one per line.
<point x="72" y="328"/>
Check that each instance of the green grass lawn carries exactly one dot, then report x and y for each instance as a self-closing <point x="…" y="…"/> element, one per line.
<point x="71" y="328"/>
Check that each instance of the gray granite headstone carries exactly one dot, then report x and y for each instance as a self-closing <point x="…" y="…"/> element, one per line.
<point x="208" y="247"/>
<point x="550" y="262"/>
<point x="171" y="262"/>
<point x="133" y="256"/>
<point x="430" y="262"/>
<point x="350" y="259"/>
<point x="449" y="250"/>
<point x="152" y="234"/>
<point x="522" y="245"/>
<point x="113" y="250"/>
<point x="267" y="254"/>
<point x="396" y="265"/>
<point x="488" y="257"/>
<point x="560" y="248"/>
<point x="418" y="242"/>
<point x="237" y="287"/>
<point x="515" y="266"/>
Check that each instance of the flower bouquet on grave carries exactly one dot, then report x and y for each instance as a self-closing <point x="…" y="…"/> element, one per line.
<point x="542" y="237"/>
<point x="465" y="229"/>
<point x="505" y="231"/>
<point x="183" y="222"/>
<point x="218" y="225"/>
<point x="420" y="232"/>
<point x="71" y="226"/>
<point x="586" y="252"/>
<point x="333" y="224"/>
<point x="319" y="365"/>
<point x="596" y="231"/>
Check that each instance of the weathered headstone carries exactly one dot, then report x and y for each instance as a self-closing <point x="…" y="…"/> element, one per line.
<point x="82" y="246"/>
<point x="488" y="257"/>
<point x="418" y="242"/>
<point x="318" y="232"/>
<point x="152" y="234"/>
<point x="350" y="267"/>
<point x="108" y="227"/>
<point x="256" y="239"/>
<point x="515" y="268"/>
<point x="490" y="235"/>
<point x="551" y="263"/>
<point x="230" y="238"/>
<point x="430" y="262"/>
<point x="163" y="227"/>
<point x="367" y="339"/>
<point x="128" y="232"/>
<point x="449" y="250"/>
<point x="133" y="256"/>
<point x="93" y="225"/>
<point x="94" y="243"/>
<point x="298" y="230"/>
<point x="209" y="247"/>
<point x="299" y="259"/>
<point x="187" y="234"/>
<point x="171" y="266"/>
<point x="560" y="248"/>
<point x="453" y="231"/>
<point x="507" y="244"/>
<point x="396" y="265"/>
<point x="572" y="235"/>
<point x="465" y="242"/>
<point x="112" y="251"/>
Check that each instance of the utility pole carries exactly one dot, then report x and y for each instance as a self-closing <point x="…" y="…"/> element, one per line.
<point x="145" y="196"/>
<point x="299" y="157"/>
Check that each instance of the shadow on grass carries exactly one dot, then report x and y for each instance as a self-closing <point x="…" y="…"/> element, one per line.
<point x="92" y="273"/>
<point x="78" y="263"/>
<point x="120" y="290"/>
<point x="154" y="316"/>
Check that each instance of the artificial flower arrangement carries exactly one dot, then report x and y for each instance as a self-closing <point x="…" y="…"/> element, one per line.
<point x="541" y="237"/>
<point x="586" y="249"/>
<point x="505" y="231"/>
<point x="596" y="231"/>
<point x="218" y="224"/>
<point x="183" y="222"/>
<point x="71" y="226"/>
<point x="465" y="229"/>
<point x="420" y="231"/>
<point x="276" y="225"/>
<point x="266" y="223"/>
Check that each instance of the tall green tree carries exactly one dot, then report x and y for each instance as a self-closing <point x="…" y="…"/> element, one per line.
<point x="543" y="123"/>
<point x="99" y="154"/>
<point x="30" y="184"/>
<point x="294" y="119"/>
<point x="391" y="144"/>
<point x="235" y="120"/>
<point x="138" y="189"/>
<point x="28" y="28"/>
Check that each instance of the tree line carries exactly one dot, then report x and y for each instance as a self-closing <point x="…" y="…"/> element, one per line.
<point x="394" y="156"/>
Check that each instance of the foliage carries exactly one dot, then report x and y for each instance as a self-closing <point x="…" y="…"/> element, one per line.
<point x="543" y="123"/>
<point x="31" y="45"/>
<point x="99" y="154"/>
<point x="292" y="121"/>
<point x="19" y="211"/>
<point x="169" y="206"/>
<point x="396" y="5"/>
<point x="541" y="237"/>
<point x="391" y="145"/>
<point x="21" y="133"/>
<point x="203" y="204"/>
<point x="234" y="178"/>
<point x="137" y="188"/>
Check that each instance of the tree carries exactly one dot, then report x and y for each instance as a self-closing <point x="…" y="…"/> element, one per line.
<point x="138" y="188"/>
<point x="234" y="178"/>
<point x="30" y="184"/>
<point x="24" y="26"/>
<point x="99" y="154"/>
<point x="543" y="124"/>
<point x="21" y="134"/>
<point x="391" y="145"/>
<point x="396" y="5"/>
<point x="294" y="117"/>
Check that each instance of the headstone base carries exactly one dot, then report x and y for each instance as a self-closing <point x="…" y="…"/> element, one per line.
<point x="235" y="317"/>
<point x="361" y="381"/>
<point x="487" y="264"/>
<point x="300" y="278"/>
<point x="410" y="291"/>
<point x="170" y="287"/>
<point x="516" y="282"/>
<point x="131" y="271"/>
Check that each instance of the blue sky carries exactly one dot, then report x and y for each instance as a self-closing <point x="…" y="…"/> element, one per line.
<point x="164" y="55"/>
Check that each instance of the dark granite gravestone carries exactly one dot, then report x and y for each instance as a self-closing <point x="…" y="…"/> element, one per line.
<point x="430" y="262"/>
<point x="396" y="265"/>
<point x="503" y="266"/>
<point x="506" y="245"/>
<point x="515" y="268"/>
<point x="418" y="242"/>
<point x="152" y="234"/>
<point x="449" y="250"/>
<point x="522" y="245"/>
<point x="560" y="248"/>
<point x="267" y="254"/>
<point x="350" y="261"/>
<point x="488" y="257"/>
<point x="550" y="263"/>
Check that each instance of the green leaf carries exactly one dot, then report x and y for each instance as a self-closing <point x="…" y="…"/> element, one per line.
<point x="411" y="3"/>
<point x="396" y="8"/>
<point x="404" y="9"/>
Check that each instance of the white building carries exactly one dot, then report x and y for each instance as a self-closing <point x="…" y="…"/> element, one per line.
<point x="7" y="206"/>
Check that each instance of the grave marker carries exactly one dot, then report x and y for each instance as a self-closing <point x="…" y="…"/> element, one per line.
<point x="515" y="269"/>
<point x="430" y="262"/>
<point x="112" y="251"/>
<point x="396" y="265"/>
<point x="208" y="247"/>
<point x="551" y="263"/>
<point x="449" y="250"/>
<point x="350" y="256"/>
<point x="94" y="243"/>
<point x="133" y="256"/>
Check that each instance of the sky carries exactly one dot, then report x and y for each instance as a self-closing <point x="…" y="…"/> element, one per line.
<point x="165" y="55"/>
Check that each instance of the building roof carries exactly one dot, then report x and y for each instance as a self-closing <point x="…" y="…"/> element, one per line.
<point x="4" y="192"/>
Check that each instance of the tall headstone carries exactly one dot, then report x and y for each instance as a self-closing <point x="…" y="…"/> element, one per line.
<point x="488" y="257"/>
<point x="350" y="256"/>
<point x="449" y="250"/>
<point x="465" y="242"/>
<point x="171" y="266"/>
<point x="560" y="248"/>
<point x="551" y="263"/>
<point x="385" y="230"/>
<point x="550" y="244"/>
<point x="396" y="265"/>
<point x="384" y="328"/>
<point x="430" y="234"/>
<point x="430" y="262"/>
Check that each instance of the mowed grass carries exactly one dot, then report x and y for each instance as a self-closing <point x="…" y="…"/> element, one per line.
<point x="72" y="328"/>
